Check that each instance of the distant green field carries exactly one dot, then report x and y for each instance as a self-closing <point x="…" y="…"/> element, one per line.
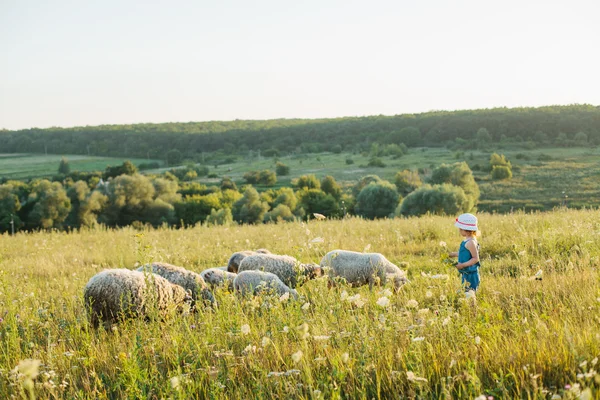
<point x="540" y="176"/>
<point x="23" y="166"/>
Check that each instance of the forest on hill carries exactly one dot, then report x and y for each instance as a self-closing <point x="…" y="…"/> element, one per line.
<point x="558" y="125"/>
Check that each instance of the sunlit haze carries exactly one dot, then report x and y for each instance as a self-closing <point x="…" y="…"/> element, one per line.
<point x="69" y="63"/>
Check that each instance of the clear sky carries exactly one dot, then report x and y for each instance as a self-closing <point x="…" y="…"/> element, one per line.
<point x="80" y="62"/>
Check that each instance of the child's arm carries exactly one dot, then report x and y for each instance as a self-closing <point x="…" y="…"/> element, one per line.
<point x="472" y="247"/>
<point x="453" y="254"/>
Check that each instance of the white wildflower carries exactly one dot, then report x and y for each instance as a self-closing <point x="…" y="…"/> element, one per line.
<point x="344" y="296"/>
<point x="297" y="356"/>
<point x="265" y="341"/>
<point x="345" y="357"/>
<point x="429" y="294"/>
<point x="594" y="361"/>
<point x="387" y="293"/>
<point x="286" y="329"/>
<point x="306" y="306"/>
<point x="317" y="240"/>
<point x="322" y="337"/>
<point x="383" y="302"/>
<point x="175" y="382"/>
<point x="477" y="340"/>
<point x="412" y="303"/>
<point x="245" y="329"/>
<point x="413" y="378"/>
<point x="442" y="297"/>
<point x="367" y="248"/>
<point x="284" y="297"/>
<point x="446" y="321"/>
<point x="443" y="244"/>
<point x="452" y="363"/>
<point x="418" y="339"/>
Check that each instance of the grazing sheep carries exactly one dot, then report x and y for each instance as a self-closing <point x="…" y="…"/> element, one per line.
<point x="287" y="268"/>
<point x="180" y="276"/>
<point x="255" y="282"/>
<point x="218" y="277"/>
<point x="236" y="258"/>
<point x="115" y="294"/>
<point x="359" y="269"/>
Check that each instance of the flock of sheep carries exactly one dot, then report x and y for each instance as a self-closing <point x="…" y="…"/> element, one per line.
<point x="162" y="288"/>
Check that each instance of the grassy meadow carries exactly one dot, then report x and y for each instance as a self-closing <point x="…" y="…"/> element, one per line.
<point x="541" y="177"/>
<point x="520" y="337"/>
<point x="25" y="166"/>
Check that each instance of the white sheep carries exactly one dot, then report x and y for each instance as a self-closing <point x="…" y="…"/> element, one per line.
<point x="256" y="282"/>
<point x="114" y="294"/>
<point x="359" y="269"/>
<point x="189" y="280"/>
<point x="287" y="268"/>
<point x="218" y="277"/>
<point x="236" y="258"/>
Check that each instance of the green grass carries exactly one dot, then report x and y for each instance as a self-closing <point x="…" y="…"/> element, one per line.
<point x="25" y="166"/>
<point x="535" y="185"/>
<point x="521" y="338"/>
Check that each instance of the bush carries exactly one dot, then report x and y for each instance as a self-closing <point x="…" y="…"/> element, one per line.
<point x="249" y="209"/>
<point x="317" y="201"/>
<point x="307" y="182"/>
<point x="349" y="161"/>
<point x="272" y="152"/>
<point x="267" y="177"/>
<point x="330" y="186"/>
<point x="221" y="217"/>
<point x="406" y="181"/>
<point x="437" y="199"/>
<point x="149" y="165"/>
<point x="364" y="181"/>
<point x="337" y="149"/>
<point x="376" y="162"/>
<point x="500" y="172"/>
<point x="279" y="213"/>
<point x="458" y="174"/>
<point x="377" y="200"/>
<point x="281" y="169"/>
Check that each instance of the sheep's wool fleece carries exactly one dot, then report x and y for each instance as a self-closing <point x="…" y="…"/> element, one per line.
<point x="116" y="292"/>
<point x="254" y="282"/>
<point x="358" y="268"/>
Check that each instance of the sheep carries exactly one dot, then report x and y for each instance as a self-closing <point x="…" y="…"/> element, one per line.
<point x="115" y="294"/>
<point x="180" y="276"/>
<point x="236" y="258"/>
<point x="287" y="268"/>
<point x="255" y="282"/>
<point x="218" y="277"/>
<point x="361" y="268"/>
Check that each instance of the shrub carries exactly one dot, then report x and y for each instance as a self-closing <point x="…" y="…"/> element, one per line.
<point x="349" y="161"/>
<point x="458" y="174"/>
<point x="376" y="162"/>
<point x="377" y="200"/>
<point x="406" y="181"/>
<point x="220" y="217"/>
<point x="317" y="201"/>
<point x="330" y="186"/>
<point x="307" y="182"/>
<point x="249" y="209"/>
<point x="500" y="172"/>
<point x="279" y="213"/>
<point x="437" y="199"/>
<point x="281" y="169"/>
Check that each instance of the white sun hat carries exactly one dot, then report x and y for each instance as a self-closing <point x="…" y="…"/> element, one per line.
<point x="467" y="222"/>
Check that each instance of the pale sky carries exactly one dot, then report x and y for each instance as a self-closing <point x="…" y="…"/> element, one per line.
<point x="71" y="63"/>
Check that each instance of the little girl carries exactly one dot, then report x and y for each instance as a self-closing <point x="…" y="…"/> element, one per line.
<point x="468" y="254"/>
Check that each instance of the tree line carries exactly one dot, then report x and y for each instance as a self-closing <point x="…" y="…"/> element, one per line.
<point x="121" y="196"/>
<point x="573" y="125"/>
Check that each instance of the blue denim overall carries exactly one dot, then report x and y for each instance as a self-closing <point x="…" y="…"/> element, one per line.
<point x="470" y="275"/>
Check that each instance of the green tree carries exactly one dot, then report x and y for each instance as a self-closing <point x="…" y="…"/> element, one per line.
<point x="63" y="167"/>
<point x="330" y="186"/>
<point x="581" y="139"/>
<point x="287" y="197"/>
<point x="166" y="190"/>
<point x="279" y="213"/>
<point x="458" y="174"/>
<point x="249" y="209"/>
<point x="129" y="198"/>
<point x="562" y="140"/>
<point x="406" y="181"/>
<point x="197" y="208"/>
<point x="483" y="137"/>
<point x="9" y="206"/>
<point x="499" y="160"/>
<point x="445" y="199"/>
<point x="410" y="136"/>
<point x="500" y="172"/>
<point x="220" y="217"/>
<point x="267" y="178"/>
<point x="52" y="205"/>
<point x="364" y="181"/>
<point x="174" y="157"/>
<point x="377" y="200"/>
<point x="307" y="182"/>
<point x="316" y="201"/>
<point x="281" y="169"/>
<point x="127" y="168"/>
<point x="228" y="184"/>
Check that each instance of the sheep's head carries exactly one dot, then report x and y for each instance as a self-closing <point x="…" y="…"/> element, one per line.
<point x="399" y="280"/>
